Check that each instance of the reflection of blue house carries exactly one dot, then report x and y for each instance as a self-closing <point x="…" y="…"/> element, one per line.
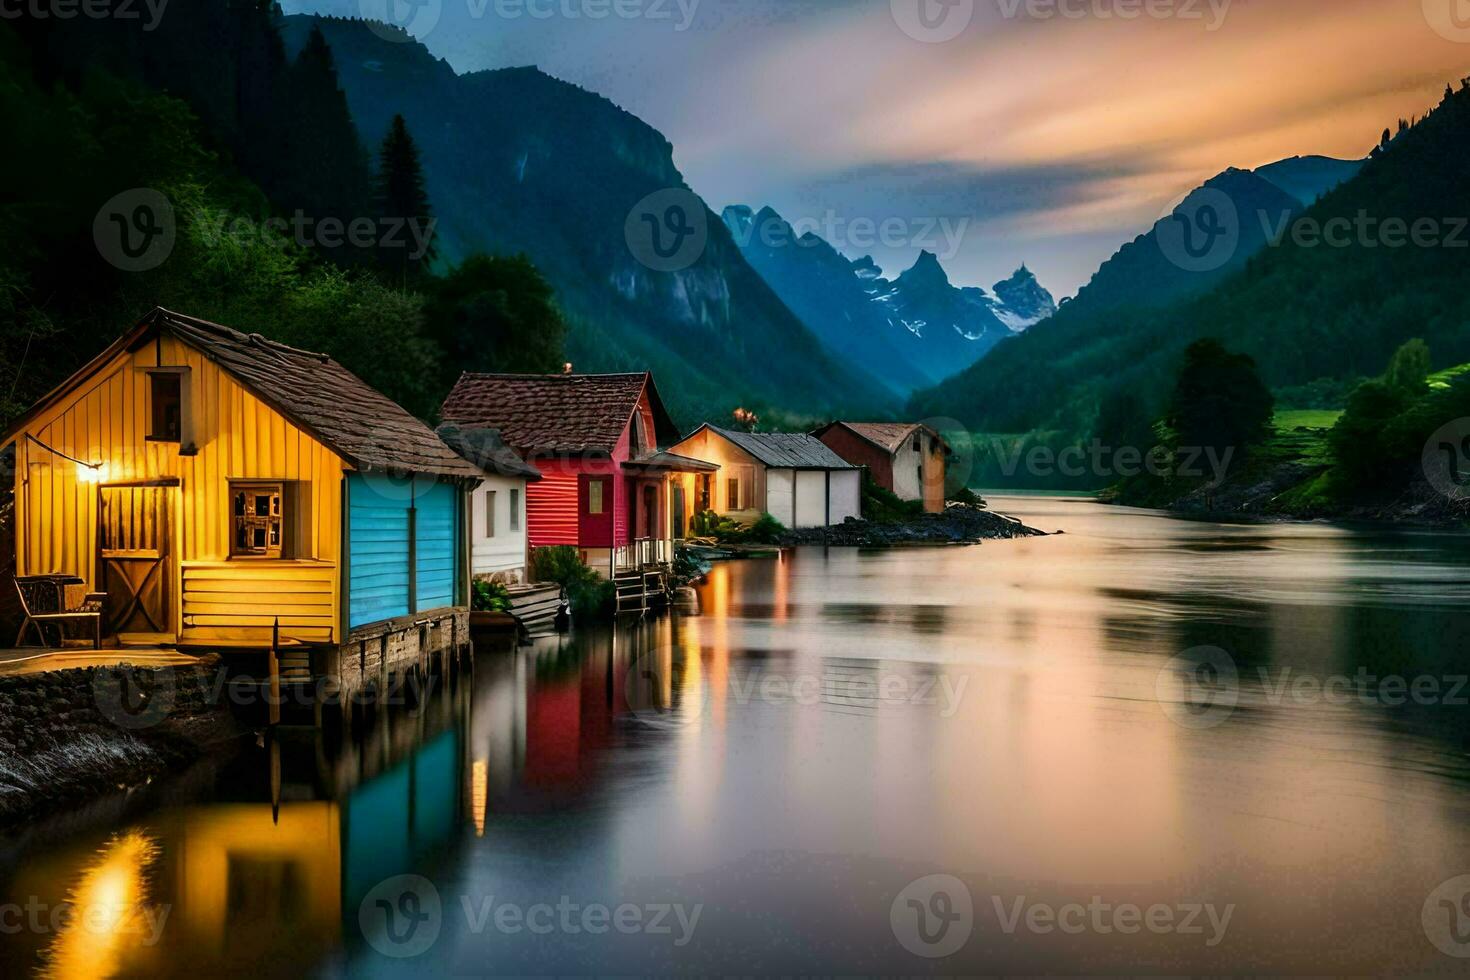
<point x="395" y="821"/>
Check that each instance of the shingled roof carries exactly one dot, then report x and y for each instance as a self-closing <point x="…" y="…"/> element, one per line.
<point x="485" y="449"/>
<point x="341" y="411"/>
<point x="785" y="450"/>
<point x="888" y="436"/>
<point x="539" y="414"/>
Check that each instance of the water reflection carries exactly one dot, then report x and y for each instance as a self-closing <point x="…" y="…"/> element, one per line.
<point x="833" y="726"/>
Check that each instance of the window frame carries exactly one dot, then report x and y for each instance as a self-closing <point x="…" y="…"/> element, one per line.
<point x="596" y="498"/>
<point x="515" y="509"/>
<point x="175" y="380"/>
<point x="489" y="525"/>
<point x="280" y="519"/>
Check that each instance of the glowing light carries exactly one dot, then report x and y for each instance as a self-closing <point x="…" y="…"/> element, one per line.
<point x="479" y="790"/>
<point x="92" y="474"/>
<point x="107" y="911"/>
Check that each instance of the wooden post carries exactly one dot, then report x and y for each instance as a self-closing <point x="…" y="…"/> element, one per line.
<point x="275" y="673"/>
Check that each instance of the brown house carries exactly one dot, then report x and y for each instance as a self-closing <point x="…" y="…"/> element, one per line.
<point x="905" y="457"/>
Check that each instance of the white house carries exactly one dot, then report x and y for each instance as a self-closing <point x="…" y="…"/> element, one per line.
<point x="792" y="476"/>
<point x="497" y="512"/>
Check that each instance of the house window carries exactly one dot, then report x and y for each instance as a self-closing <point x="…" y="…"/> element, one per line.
<point x="258" y="519"/>
<point x="489" y="513"/>
<point x="732" y="493"/>
<point x="918" y="444"/>
<point x="166" y="391"/>
<point x="594" y="497"/>
<point x="515" y="510"/>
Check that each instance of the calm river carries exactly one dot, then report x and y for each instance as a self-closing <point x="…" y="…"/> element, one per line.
<point x="1147" y="745"/>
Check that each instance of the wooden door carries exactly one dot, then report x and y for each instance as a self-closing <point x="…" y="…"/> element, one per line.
<point x="135" y="547"/>
<point x="594" y="511"/>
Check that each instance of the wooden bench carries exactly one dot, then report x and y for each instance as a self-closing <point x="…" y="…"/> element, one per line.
<point x="43" y="601"/>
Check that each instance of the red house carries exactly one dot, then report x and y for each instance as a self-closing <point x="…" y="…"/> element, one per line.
<point x="908" y="458"/>
<point x="605" y="487"/>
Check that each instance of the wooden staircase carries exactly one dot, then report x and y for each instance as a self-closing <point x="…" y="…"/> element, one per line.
<point x="535" y="607"/>
<point x="638" y="589"/>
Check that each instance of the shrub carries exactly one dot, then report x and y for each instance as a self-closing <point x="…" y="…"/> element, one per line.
<point x="968" y="497"/>
<point x="591" y="596"/>
<point x="882" y="506"/>
<point x="708" y="524"/>
<point x="766" y="530"/>
<point x="489" y="596"/>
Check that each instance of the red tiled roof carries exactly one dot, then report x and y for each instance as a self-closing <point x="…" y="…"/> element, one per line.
<point x="555" y="413"/>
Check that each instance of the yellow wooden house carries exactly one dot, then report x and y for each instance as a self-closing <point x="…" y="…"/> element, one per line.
<point x="215" y="484"/>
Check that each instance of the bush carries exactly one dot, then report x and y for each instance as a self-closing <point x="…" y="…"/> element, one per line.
<point x="968" y="497"/>
<point x="882" y="506"/>
<point x="708" y="524"/>
<point x="591" y="596"/>
<point x="766" y="530"/>
<point x="489" y="596"/>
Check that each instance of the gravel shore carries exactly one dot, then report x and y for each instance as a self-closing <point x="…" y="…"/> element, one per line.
<point x="956" y="524"/>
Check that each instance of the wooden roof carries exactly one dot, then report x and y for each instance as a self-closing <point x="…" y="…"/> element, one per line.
<point x="540" y="414"/>
<point x="888" y="436"/>
<point x="315" y="393"/>
<point x="785" y="450"/>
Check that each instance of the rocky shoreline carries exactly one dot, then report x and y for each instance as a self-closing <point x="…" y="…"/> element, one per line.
<point x="956" y="524"/>
<point x="68" y="736"/>
<point x="1270" y="496"/>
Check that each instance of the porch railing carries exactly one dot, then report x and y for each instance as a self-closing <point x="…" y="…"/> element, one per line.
<point x="642" y="552"/>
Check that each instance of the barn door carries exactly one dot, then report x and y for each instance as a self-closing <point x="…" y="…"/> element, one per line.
<point x="135" y="545"/>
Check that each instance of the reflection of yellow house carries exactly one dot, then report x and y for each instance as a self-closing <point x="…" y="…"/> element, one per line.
<point x="244" y="883"/>
<point x="225" y="885"/>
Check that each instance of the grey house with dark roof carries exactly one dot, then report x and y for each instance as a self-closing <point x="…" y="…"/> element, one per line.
<point x="792" y="476"/>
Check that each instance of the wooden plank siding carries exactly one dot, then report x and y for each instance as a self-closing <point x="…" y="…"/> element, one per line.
<point x="240" y="601"/>
<point x="436" y="542"/>
<point x="107" y="419"/>
<point x="551" y="505"/>
<point x="378" y="529"/>
<point x="389" y="520"/>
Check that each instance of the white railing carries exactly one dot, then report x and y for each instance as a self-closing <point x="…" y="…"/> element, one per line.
<point x="642" y="552"/>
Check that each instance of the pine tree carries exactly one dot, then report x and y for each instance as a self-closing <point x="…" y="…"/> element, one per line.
<point x="403" y="203"/>
<point x="328" y="164"/>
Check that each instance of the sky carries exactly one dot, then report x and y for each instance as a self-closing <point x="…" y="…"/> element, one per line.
<point x="991" y="132"/>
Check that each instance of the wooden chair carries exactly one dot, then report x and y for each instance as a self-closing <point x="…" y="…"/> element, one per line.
<point x="43" y="602"/>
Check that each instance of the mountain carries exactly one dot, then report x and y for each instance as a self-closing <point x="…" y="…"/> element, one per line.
<point x="516" y="161"/>
<point x="910" y="332"/>
<point x="1330" y="297"/>
<point x="1024" y="302"/>
<point x="1308" y="178"/>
